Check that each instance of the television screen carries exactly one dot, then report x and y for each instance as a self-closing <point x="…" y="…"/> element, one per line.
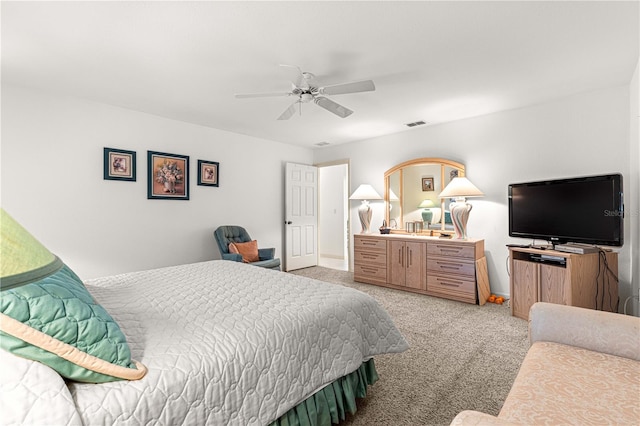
<point x="585" y="210"/>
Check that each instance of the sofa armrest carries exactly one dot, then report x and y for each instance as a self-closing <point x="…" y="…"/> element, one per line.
<point x="476" y="418"/>
<point x="266" y="253"/>
<point x="232" y="256"/>
<point x="599" y="331"/>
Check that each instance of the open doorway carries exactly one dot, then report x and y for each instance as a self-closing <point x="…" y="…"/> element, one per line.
<point x="333" y="215"/>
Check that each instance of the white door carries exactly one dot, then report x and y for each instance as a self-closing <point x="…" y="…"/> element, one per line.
<point x="301" y="216"/>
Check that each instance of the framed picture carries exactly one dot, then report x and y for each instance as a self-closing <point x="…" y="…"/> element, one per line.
<point x="168" y="176"/>
<point x="427" y="184"/>
<point x="208" y="172"/>
<point x="119" y="164"/>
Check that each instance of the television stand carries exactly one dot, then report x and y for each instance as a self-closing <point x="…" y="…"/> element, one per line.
<point x="584" y="280"/>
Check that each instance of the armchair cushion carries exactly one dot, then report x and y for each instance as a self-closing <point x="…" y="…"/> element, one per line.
<point x="236" y="257"/>
<point x="227" y="235"/>
<point x="248" y="250"/>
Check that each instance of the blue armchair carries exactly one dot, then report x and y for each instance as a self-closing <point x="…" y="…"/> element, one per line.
<point x="236" y="234"/>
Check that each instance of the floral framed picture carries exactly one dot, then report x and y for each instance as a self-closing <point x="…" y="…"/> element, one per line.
<point x="208" y="172"/>
<point x="119" y="164"/>
<point x="168" y="176"/>
<point x="427" y="184"/>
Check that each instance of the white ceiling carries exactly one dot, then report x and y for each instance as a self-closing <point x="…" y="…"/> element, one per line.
<point x="431" y="61"/>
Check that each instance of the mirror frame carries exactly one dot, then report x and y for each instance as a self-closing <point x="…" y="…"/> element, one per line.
<point x="418" y="162"/>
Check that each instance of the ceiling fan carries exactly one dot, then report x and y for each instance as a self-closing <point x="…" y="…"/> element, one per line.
<point x="306" y="90"/>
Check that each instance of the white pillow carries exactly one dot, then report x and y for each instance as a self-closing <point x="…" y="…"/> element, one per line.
<point x="33" y="393"/>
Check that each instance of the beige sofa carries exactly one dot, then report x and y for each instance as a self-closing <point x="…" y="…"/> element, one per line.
<point x="583" y="368"/>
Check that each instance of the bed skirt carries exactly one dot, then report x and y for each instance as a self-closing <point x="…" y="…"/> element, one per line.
<point x="330" y="404"/>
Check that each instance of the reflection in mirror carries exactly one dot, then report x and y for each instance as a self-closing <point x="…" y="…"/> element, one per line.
<point x="395" y="212"/>
<point x="411" y="192"/>
<point x="419" y="184"/>
<point x="449" y="173"/>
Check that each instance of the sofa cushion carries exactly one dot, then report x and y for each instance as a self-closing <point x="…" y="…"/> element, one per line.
<point x="248" y="250"/>
<point x="560" y="384"/>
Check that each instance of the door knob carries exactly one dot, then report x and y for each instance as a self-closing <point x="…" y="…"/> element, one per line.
<point x="288" y="222"/>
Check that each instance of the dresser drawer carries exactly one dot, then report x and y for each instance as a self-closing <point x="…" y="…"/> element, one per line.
<point x="448" y="265"/>
<point x="449" y="284"/>
<point x="371" y="272"/>
<point x="371" y="257"/>
<point x="370" y="244"/>
<point x="451" y="250"/>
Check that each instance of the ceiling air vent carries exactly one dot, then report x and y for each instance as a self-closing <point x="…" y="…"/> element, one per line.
<point x="322" y="144"/>
<point x="416" y="123"/>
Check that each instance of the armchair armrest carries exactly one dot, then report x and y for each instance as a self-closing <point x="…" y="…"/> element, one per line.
<point x="476" y="418"/>
<point x="599" y="331"/>
<point x="232" y="256"/>
<point x="266" y="253"/>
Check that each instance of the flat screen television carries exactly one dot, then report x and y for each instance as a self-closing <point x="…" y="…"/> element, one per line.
<point x="587" y="210"/>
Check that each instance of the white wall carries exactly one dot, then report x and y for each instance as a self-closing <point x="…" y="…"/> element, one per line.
<point x="585" y="134"/>
<point x="52" y="183"/>
<point x="332" y="210"/>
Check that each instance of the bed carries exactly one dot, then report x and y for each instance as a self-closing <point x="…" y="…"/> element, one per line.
<point x="223" y="343"/>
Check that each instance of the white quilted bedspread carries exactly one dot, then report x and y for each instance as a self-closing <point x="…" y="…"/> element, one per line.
<point x="229" y="343"/>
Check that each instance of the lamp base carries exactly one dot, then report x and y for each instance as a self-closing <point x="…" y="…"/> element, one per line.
<point x="427" y="215"/>
<point x="365" y="212"/>
<point x="459" y="216"/>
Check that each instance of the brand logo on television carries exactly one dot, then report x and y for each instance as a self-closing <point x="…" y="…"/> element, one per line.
<point x="609" y="213"/>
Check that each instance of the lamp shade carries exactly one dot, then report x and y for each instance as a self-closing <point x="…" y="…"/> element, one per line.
<point x="23" y="258"/>
<point x="425" y="204"/>
<point x="365" y="192"/>
<point x="460" y="187"/>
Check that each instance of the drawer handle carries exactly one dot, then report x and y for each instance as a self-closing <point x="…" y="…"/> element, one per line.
<point x="371" y="271"/>
<point x="450" y="251"/>
<point x="450" y="266"/>
<point x="450" y="263"/>
<point x="449" y="283"/>
<point x="364" y="256"/>
<point x="369" y="243"/>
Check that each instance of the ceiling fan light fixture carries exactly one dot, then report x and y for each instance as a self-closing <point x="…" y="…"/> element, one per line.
<point x="306" y="97"/>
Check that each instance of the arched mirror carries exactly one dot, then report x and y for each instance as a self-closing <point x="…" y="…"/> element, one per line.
<point x="412" y="192"/>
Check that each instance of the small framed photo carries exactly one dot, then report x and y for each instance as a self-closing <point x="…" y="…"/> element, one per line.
<point x="119" y="164"/>
<point x="168" y="176"/>
<point x="427" y="184"/>
<point x="208" y="172"/>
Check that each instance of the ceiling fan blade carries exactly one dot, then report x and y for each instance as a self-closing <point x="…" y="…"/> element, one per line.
<point x="288" y="113"/>
<point x="333" y="107"/>
<point x="298" y="81"/>
<point x="339" y="89"/>
<point x="261" y="95"/>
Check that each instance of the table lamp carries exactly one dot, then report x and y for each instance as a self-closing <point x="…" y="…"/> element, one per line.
<point x="365" y="192"/>
<point x="459" y="188"/>
<point x="427" y="214"/>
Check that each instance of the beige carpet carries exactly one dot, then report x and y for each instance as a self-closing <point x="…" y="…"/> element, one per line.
<point x="462" y="357"/>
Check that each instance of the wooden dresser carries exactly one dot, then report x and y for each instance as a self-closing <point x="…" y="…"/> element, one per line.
<point x="449" y="268"/>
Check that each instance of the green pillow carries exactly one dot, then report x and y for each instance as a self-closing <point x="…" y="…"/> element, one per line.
<point x="56" y="321"/>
